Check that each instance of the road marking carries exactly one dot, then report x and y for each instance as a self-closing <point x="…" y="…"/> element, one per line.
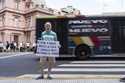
<point x="87" y="70"/>
<point x="13" y="55"/>
<point x="98" y="62"/>
<point x="92" y="65"/>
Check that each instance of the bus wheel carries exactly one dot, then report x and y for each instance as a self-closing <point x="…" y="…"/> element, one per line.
<point x="82" y="51"/>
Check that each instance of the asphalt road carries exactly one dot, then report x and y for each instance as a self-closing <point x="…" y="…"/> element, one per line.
<point x="18" y="65"/>
<point x="26" y="66"/>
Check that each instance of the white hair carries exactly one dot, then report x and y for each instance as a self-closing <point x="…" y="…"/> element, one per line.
<point x="47" y="23"/>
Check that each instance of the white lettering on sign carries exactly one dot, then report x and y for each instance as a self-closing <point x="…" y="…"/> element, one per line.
<point x="102" y="30"/>
<point x="93" y="30"/>
<point x="48" y="48"/>
<point x="103" y="21"/>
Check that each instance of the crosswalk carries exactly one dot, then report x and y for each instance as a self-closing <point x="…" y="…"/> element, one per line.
<point x="85" y="70"/>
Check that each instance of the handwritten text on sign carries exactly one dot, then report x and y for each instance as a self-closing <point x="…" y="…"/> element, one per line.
<point x="48" y="48"/>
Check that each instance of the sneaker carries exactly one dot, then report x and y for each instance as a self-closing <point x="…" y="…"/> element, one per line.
<point x="122" y="79"/>
<point x="40" y="77"/>
<point x="49" y="77"/>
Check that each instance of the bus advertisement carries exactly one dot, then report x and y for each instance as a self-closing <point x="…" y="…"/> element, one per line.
<point x="82" y="36"/>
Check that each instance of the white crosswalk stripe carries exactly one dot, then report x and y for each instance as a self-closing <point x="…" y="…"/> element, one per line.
<point x="98" y="61"/>
<point x="92" y="65"/>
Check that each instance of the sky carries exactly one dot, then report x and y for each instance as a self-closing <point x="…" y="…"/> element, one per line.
<point x="89" y="7"/>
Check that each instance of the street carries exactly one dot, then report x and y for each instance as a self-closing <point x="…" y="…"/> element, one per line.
<point x="25" y="66"/>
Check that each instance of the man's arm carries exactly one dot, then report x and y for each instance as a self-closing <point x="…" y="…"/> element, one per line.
<point x="55" y="37"/>
<point x="41" y="38"/>
<point x="57" y="40"/>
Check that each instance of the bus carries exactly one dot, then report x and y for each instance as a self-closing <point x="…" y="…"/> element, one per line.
<point x="87" y="36"/>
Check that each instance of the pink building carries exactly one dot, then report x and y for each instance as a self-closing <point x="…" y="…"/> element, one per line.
<point x="17" y="19"/>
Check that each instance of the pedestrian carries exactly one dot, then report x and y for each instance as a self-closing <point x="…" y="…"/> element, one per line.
<point x="28" y="46"/>
<point x="47" y="35"/>
<point x="12" y="46"/>
<point x="7" y="46"/>
<point x="1" y="46"/>
<point x="34" y="47"/>
<point x="15" y="46"/>
<point x="21" y="47"/>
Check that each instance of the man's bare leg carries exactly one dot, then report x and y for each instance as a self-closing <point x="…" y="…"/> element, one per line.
<point x="51" y="63"/>
<point x="49" y="69"/>
<point x="41" y="65"/>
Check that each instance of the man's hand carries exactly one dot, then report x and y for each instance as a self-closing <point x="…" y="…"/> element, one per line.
<point x="59" y="45"/>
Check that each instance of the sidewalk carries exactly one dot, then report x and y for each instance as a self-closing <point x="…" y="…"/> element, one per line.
<point x="71" y="76"/>
<point x="31" y="78"/>
<point x="63" y="81"/>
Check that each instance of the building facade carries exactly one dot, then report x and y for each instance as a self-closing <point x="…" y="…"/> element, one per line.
<point x="17" y="19"/>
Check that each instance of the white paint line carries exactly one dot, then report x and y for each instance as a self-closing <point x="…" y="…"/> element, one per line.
<point x="91" y="65"/>
<point x="13" y="55"/>
<point x="87" y="70"/>
<point x="97" y="62"/>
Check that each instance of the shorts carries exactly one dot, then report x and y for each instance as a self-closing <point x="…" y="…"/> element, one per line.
<point x="48" y="60"/>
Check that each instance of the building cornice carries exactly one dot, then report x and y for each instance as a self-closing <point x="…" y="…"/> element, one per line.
<point x="12" y="28"/>
<point x="3" y="29"/>
<point x="6" y="9"/>
<point x="42" y="10"/>
<point x="45" y="11"/>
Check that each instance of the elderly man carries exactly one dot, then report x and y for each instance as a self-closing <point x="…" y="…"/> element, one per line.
<point x="47" y="35"/>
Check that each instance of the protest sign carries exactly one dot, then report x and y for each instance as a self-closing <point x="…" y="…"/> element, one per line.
<point x="48" y="48"/>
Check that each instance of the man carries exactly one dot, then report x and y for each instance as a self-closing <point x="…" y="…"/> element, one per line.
<point x="28" y="46"/>
<point x="1" y="46"/>
<point x="11" y="47"/>
<point x="15" y="46"/>
<point x="47" y="35"/>
<point x="21" y="47"/>
<point x="7" y="46"/>
<point x="34" y="47"/>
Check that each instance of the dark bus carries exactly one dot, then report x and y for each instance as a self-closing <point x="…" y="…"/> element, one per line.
<point x="84" y="37"/>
